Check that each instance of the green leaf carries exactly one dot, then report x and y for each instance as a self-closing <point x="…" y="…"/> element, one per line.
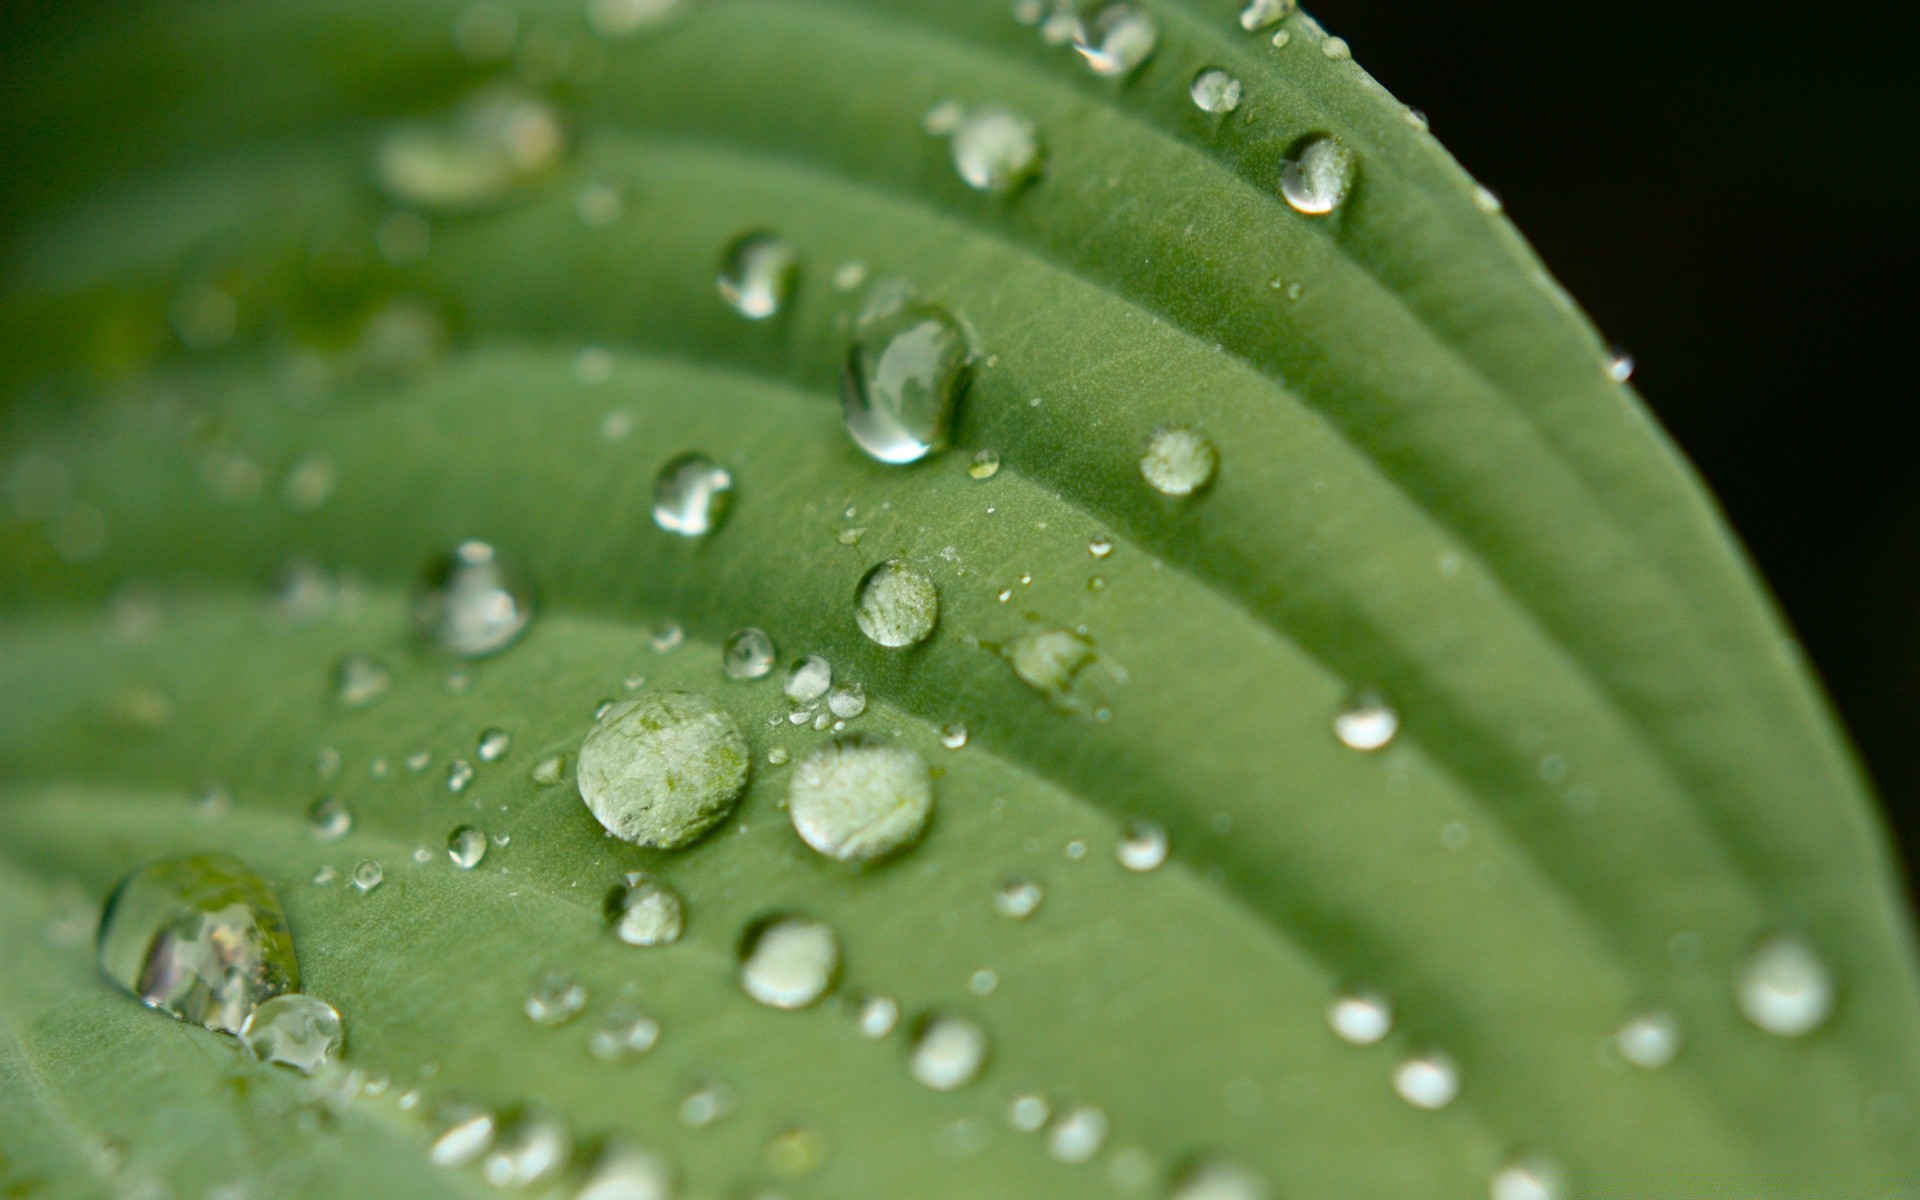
<point x="226" y="348"/>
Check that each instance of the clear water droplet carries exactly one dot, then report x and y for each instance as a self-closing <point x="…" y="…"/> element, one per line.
<point x="905" y="373"/>
<point x="1620" y="365"/>
<point x="294" y="1030"/>
<point x="1018" y="898"/>
<point x="550" y="770"/>
<point x="1065" y="668"/>
<point x="663" y="768"/>
<point x="1117" y="41"/>
<point x="1367" y="722"/>
<point x="809" y="679"/>
<point x="1218" y="1179"/>
<point x="1487" y="200"/>
<point x="368" y="874"/>
<point x="1259" y="14"/>
<point x="329" y="819"/>
<point x="623" y="1033"/>
<point x="748" y="654"/>
<point x="877" y="1016"/>
<point x="1216" y="91"/>
<point x="1784" y="988"/>
<point x="473" y="602"/>
<point x="200" y="937"/>
<point x="1429" y="1080"/>
<point x="1178" y="460"/>
<point x="857" y="799"/>
<point x="997" y="151"/>
<point x="466" y="846"/>
<point x="847" y="701"/>
<point x="359" y="681"/>
<point x="705" y="1104"/>
<point x="531" y="1148"/>
<point x="1361" y="1017"/>
<point x="1079" y="1135"/>
<point x="1528" y="1177"/>
<point x="493" y="745"/>
<point x="645" y="911"/>
<point x="691" y="496"/>
<point x="896" y="605"/>
<point x="949" y="1052"/>
<point x="667" y="636"/>
<point x="1649" y="1040"/>
<point x="1336" y="49"/>
<point x="466" y="1133"/>
<point x="486" y="151"/>
<point x="1029" y="1112"/>
<point x="953" y="736"/>
<point x="1316" y="175"/>
<point x="789" y="962"/>
<point x="622" y="1173"/>
<point x="459" y="775"/>
<point x="757" y="274"/>
<point x="555" y="997"/>
<point x="985" y="464"/>
<point x="1143" y="847"/>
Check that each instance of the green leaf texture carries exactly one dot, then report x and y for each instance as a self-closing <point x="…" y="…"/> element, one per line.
<point x="224" y="348"/>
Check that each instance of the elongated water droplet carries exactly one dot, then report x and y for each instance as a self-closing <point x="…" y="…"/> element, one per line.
<point x="663" y="768"/>
<point x="949" y="1052"/>
<point x="555" y="997"/>
<point x="329" y="819"/>
<point x="691" y="496"/>
<point x="1259" y="14"/>
<point x="1316" y="175"/>
<point x="622" y="1034"/>
<point x="757" y="274"/>
<point x="294" y="1030"/>
<point x="997" y="151"/>
<point x="789" y="962"/>
<point x="877" y="1016"/>
<point x="490" y="148"/>
<point x="200" y="937"/>
<point x="459" y="775"/>
<point x="359" y="681"/>
<point x="1367" y="722"/>
<point x="466" y="846"/>
<point x="1018" y="899"/>
<point x="905" y="373"/>
<point x="1178" y="460"/>
<point x="858" y="798"/>
<point x="1066" y="669"/>
<point x="623" y="1173"/>
<point x="1215" y="91"/>
<point x="1079" y="1135"/>
<point x="530" y="1149"/>
<point x="1361" y="1017"/>
<point x="748" y="654"/>
<point x="1143" y="847"/>
<point x="1649" y="1040"/>
<point x="1529" y="1177"/>
<point x="645" y="911"/>
<point x="493" y="745"/>
<point x="1428" y="1080"/>
<point x="1117" y="41"/>
<point x="466" y="1133"/>
<point x="809" y="679"/>
<point x="1218" y="1179"/>
<point x="896" y="604"/>
<point x="474" y="602"/>
<point x="1784" y="988"/>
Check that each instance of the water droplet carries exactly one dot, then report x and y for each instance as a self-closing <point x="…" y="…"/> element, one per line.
<point x="1336" y="49"/>
<point x="359" y="681"/>
<point x="1487" y="200"/>
<point x="1078" y="1135"/>
<point x="949" y="1052"/>
<point x="1361" y="1017"/>
<point x="367" y="875"/>
<point x="459" y="775"/>
<point x="491" y="147"/>
<point x="466" y="1134"/>
<point x="985" y="464"/>
<point x="1620" y="366"/>
<point x="329" y="819"/>
<point x="1028" y="1112"/>
<point x="996" y="151"/>
<point x="704" y="1105"/>
<point x="1649" y="1039"/>
<point x="1119" y="39"/>
<point x="896" y="604"/>
<point x="1018" y="898"/>
<point x="1259" y="14"/>
<point x="1784" y="988"/>
<point x="550" y="770"/>
<point x="858" y="798"/>
<point x="466" y="846"/>
<point x="1367" y="722"/>
<point x="789" y="962"/>
<point x="1528" y="1178"/>
<point x="757" y="275"/>
<point x="748" y="654"/>
<point x="691" y="496"/>
<point x="953" y="736"/>
<point x="1218" y="1179"/>
<point x="809" y="679"/>
<point x="1178" y="460"/>
<point x="905" y="372"/>
<point x="877" y="1017"/>
<point x="623" y="1033"/>
<point x="556" y="996"/>
<point x="1316" y="175"/>
<point x="663" y="768"/>
<point x="645" y="911"/>
<point x="531" y="1148"/>
<point x="778" y="756"/>
<point x="473" y="602"/>
<point x="200" y="937"/>
<point x="1428" y="1080"/>
<point x="627" y="1174"/>
<point x="294" y="1030"/>
<point x="1143" y="847"/>
<point x="623" y="18"/>
<point x="1065" y="668"/>
<point x="493" y="745"/>
<point x="1215" y="91"/>
<point x="847" y="701"/>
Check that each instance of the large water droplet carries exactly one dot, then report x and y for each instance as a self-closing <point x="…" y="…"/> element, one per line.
<point x="466" y="846"/>
<point x="1649" y="1040"/>
<point x="1529" y="1177"/>
<point x="1178" y="460"/>
<point x="294" y="1030"/>
<point x="201" y="937"/>
<point x="809" y="679"/>
<point x="489" y="148"/>
<point x="949" y="1052"/>
<point x="1316" y="175"/>
<point x="1143" y="847"/>
<point x="691" y="496"/>
<point x="555" y="997"/>
<point x="532" y="1148"/>
<point x="329" y="819"/>
<point x="789" y="962"/>
<point x="1428" y="1080"/>
<point x="1218" y="1179"/>
<point x="1361" y="1017"/>
<point x="628" y="1174"/>
<point x="757" y="274"/>
<point x="1367" y="722"/>
<point x="473" y="602"/>
<point x="996" y="151"/>
<point x="644" y="911"/>
<point x="1784" y="988"/>
<point x="1117" y="41"/>
<point x="896" y="604"/>
<point x="663" y="768"/>
<point x="748" y="654"/>
<point x="1079" y="1135"/>
<point x="905" y="373"/>
<point x="1215" y="91"/>
<point x="359" y="681"/>
<point x="858" y="798"/>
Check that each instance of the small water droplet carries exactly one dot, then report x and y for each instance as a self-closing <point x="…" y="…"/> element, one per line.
<point x="200" y="937"/>
<point x="627" y="1174"/>
<point x="531" y="1148"/>
<point x="329" y="819"/>
<point x="1078" y="1135"/>
<point x="1649" y="1040"/>
<point x="1528" y="1177"/>
<point x="555" y="997"/>
<point x="757" y="275"/>
<point x="997" y="151"/>
<point x="493" y="745"/>
<point x="623" y="1033"/>
<point x="1216" y="91"/>
<point x="368" y="874"/>
<point x="793" y="1153"/>
<point x="1178" y="460"/>
<point x="1316" y="175"/>
<point x="489" y="148"/>
<point x="789" y="962"/>
<point x="847" y="701"/>
<point x="705" y="1104"/>
<point x="1620" y="365"/>
<point x="1367" y="722"/>
<point x="953" y="736"/>
<point x="1784" y="988"/>
<point x="949" y="1052"/>
<point x="859" y="798"/>
<point x="1218" y="1179"/>
<point x="1118" y="40"/>
<point x="466" y="1134"/>
<point x="466" y="846"/>
<point x="550" y="770"/>
<point x="473" y="602"/>
<point x="1018" y="898"/>
<point x="691" y="496"/>
<point x="1336" y="49"/>
<point x="359" y="681"/>
<point x="809" y="679"/>
<point x="1259" y="14"/>
<point x="748" y="654"/>
<point x="1429" y="1080"/>
<point x="985" y="464"/>
<point x="877" y="1016"/>
<point x="1029" y="1112"/>
<point x="1065" y="668"/>
<point x="896" y="604"/>
<point x="983" y="982"/>
<point x="1143" y="847"/>
<point x="623" y="18"/>
<point x="459" y="775"/>
<point x="905" y="373"/>
<point x="1361" y="1017"/>
<point x="778" y="756"/>
<point x="666" y="637"/>
<point x="645" y="911"/>
<point x="294" y="1030"/>
<point x="663" y="768"/>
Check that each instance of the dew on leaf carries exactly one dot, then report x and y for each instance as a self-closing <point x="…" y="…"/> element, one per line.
<point x="1429" y="1080"/>
<point x="1529" y="1177"/>
<point x="995" y="150"/>
<point x="1117" y="41"/>
<point x="623" y="18"/>
<point x="473" y="602"/>
<point x="531" y="1148"/>
<point x="466" y="846"/>
<point x="847" y="701"/>
<point x="663" y="768"/>
<point x="555" y="997"/>
<point x="624" y="1173"/>
<point x="747" y="654"/>
<point x="1143" y="846"/>
<point x="1018" y="899"/>
<point x="294" y="1030"/>
<point x="1065" y="668"/>
<point x="645" y="911"/>
<point x="368" y="874"/>
<point x="896" y="604"/>
<point x="550" y="770"/>
<point x="691" y="496"/>
<point x="949" y="1052"/>
<point x="1178" y="460"/>
<point x="809" y="679"/>
<point x="329" y="819"/>
<point x="1367" y="722"/>
<point x="984" y="464"/>
<point x="877" y="1016"/>
<point x="459" y="775"/>
<point x="480" y="156"/>
<point x="1029" y="1112"/>
<point x="493" y="745"/>
<point x="705" y="1104"/>
<point x="598" y="204"/>
<point x="953" y="736"/>
<point x="359" y="681"/>
<point x="1316" y="175"/>
<point x="789" y="962"/>
<point x="1360" y="1016"/>
<point x="1216" y="91"/>
<point x="905" y="373"/>
<point x="1078" y="1135"/>
<point x="623" y="1033"/>
<point x="859" y="798"/>
<point x="1620" y="365"/>
<point x="1218" y="1179"/>
<point x="757" y="273"/>
<point x="466" y="1133"/>
<point x="1259" y="14"/>
<point x="1649" y="1040"/>
<point x="666" y="637"/>
<point x="1784" y="988"/>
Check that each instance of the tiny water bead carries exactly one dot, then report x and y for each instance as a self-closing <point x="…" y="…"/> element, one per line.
<point x="1316" y="175"/>
<point x="1649" y="1040"/>
<point x="789" y="962"/>
<point x="1361" y="1017"/>
<point x="747" y="654"/>
<point x="493" y="146"/>
<point x="663" y="768"/>
<point x="644" y="911"/>
<point x="626" y="1174"/>
<point x="531" y="1148"/>
<point x="329" y="819"/>
<point x="1529" y="1177"/>
<point x="856" y="799"/>
<point x="1620" y="365"/>
<point x="1117" y="41"/>
<point x="359" y="681"/>
<point x="896" y="605"/>
<point x="1178" y="460"/>
<point x="1018" y="899"/>
<point x="493" y="745"/>
<point x="691" y="496"/>
<point x="1367" y="722"/>
<point x="877" y="1016"/>
<point x="1029" y="1112"/>
<point x="367" y="875"/>
<point x="1218" y="1179"/>
<point x="705" y="1104"/>
<point x="473" y="602"/>
<point x="294" y="1030"/>
<point x="809" y="679"/>
<point x="1784" y="988"/>
<point x="1143" y="846"/>
<point x="1079" y="1135"/>
<point x="757" y="274"/>
<point x="1336" y="49"/>
<point x="905" y="373"/>
<point x="985" y="464"/>
<point x="555" y="997"/>
<point x="622" y="1034"/>
<point x="948" y="1053"/>
<point x="954" y="736"/>
<point x="1259" y="14"/>
<point x="199" y="937"/>
<point x="1216" y="91"/>
<point x="466" y="846"/>
<point x="1429" y="1080"/>
<point x="995" y="150"/>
